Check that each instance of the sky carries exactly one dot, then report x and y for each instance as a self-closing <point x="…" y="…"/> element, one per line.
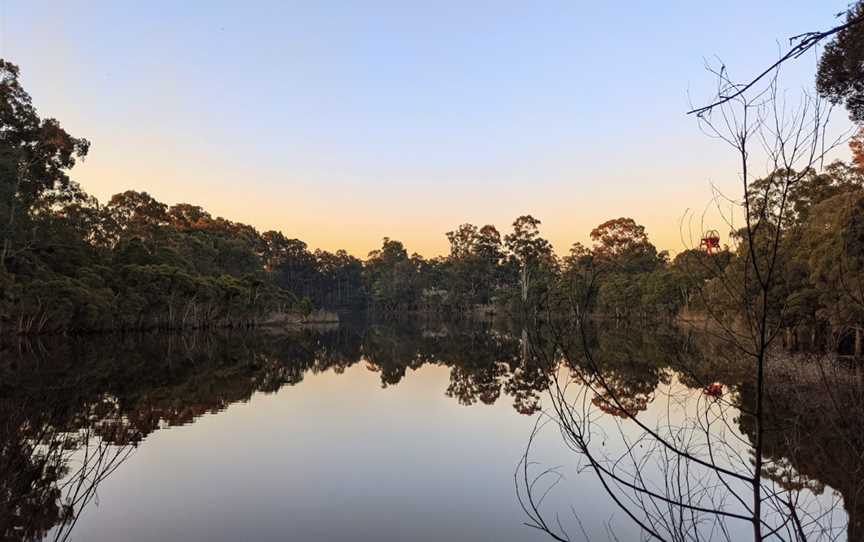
<point x="340" y="123"/>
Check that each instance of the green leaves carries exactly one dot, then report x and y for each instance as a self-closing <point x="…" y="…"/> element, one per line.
<point x="840" y="77"/>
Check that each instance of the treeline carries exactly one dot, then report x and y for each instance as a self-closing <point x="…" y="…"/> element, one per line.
<point x="71" y="263"/>
<point x="817" y="299"/>
<point x="136" y="263"/>
<point x="622" y="274"/>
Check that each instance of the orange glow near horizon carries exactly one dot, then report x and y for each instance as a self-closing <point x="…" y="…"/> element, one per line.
<point x="358" y="224"/>
<point x="341" y="127"/>
<point x="357" y="220"/>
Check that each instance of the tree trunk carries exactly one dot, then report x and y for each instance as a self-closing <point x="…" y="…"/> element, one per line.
<point x="525" y="279"/>
<point x="857" y="342"/>
<point x="10" y="225"/>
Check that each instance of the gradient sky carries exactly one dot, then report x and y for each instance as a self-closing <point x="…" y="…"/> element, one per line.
<point x="343" y="122"/>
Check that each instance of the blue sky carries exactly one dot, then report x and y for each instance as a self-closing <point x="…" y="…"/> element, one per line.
<point x="343" y="122"/>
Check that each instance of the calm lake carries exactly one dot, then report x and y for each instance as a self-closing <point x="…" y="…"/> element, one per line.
<point x="361" y="432"/>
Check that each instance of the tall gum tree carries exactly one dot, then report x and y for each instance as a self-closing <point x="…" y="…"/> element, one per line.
<point x="528" y="249"/>
<point x="35" y="154"/>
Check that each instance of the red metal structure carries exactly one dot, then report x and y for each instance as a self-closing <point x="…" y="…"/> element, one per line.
<point x="711" y="241"/>
<point x="715" y="389"/>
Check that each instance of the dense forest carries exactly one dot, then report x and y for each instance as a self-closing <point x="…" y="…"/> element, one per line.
<point x="70" y="263"/>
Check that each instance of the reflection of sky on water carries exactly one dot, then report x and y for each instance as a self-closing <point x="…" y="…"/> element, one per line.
<point x="339" y="457"/>
<point x="335" y="457"/>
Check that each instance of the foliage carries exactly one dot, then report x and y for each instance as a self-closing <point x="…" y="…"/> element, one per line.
<point x="70" y="263"/>
<point x="841" y="67"/>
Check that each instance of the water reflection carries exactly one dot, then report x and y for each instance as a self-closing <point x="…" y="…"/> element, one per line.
<point x="684" y="471"/>
<point x="72" y="410"/>
<point x="816" y="441"/>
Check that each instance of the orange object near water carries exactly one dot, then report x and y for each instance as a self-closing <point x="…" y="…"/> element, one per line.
<point x="714" y="390"/>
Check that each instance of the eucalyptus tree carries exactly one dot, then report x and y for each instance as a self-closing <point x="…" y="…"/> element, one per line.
<point x="393" y="277"/>
<point x="834" y="243"/>
<point x="623" y="254"/>
<point x="528" y="251"/>
<point x="840" y="76"/>
<point x="35" y="155"/>
<point x="473" y="265"/>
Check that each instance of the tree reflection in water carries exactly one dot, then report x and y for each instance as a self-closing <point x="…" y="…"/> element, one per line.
<point x="53" y="460"/>
<point x="71" y="411"/>
<point x="680" y="472"/>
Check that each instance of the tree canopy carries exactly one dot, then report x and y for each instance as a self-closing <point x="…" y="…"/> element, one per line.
<point x="840" y="76"/>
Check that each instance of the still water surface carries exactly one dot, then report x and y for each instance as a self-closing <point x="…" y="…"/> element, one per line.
<point x="381" y="433"/>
